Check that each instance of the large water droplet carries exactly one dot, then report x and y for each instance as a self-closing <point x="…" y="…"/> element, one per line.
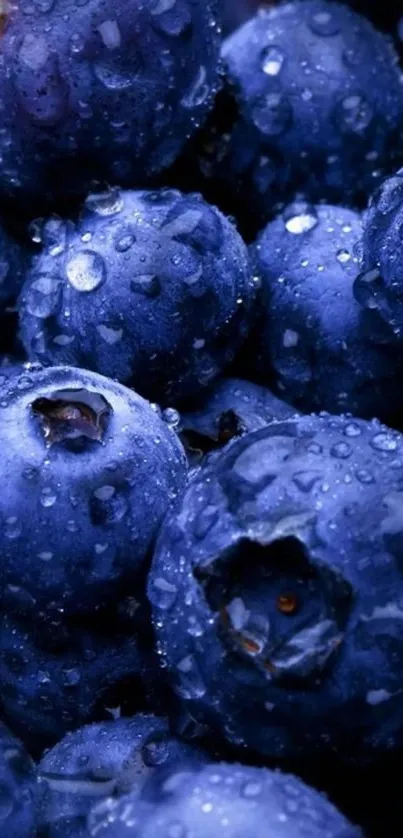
<point x="272" y="60"/>
<point x="300" y="218"/>
<point x="105" y="203"/>
<point x="86" y="270"/>
<point x="384" y="442"/>
<point x="324" y="23"/>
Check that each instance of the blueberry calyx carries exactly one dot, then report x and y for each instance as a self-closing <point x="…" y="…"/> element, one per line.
<point x="71" y="414"/>
<point x="277" y="608"/>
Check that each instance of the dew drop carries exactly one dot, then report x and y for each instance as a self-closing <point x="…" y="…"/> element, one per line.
<point x="86" y="270"/>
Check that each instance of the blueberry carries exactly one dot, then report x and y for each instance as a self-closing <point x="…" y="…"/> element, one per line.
<point x="233" y="799"/>
<point x="321" y="345"/>
<point x="288" y="548"/>
<point x="57" y="674"/>
<point x="313" y="104"/>
<point x="228" y="410"/>
<point x="104" y="89"/>
<point x="379" y="287"/>
<point x="18" y="788"/>
<point x="106" y="760"/>
<point x="151" y="288"/>
<point x="13" y="265"/>
<point x="90" y="470"/>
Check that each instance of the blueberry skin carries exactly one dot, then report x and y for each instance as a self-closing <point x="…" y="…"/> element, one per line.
<point x="379" y="288"/>
<point x="230" y="409"/>
<point x="106" y="760"/>
<point x="275" y="590"/>
<point x="248" y="802"/>
<point x="103" y="89"/>
<point x="90" y="470"/>
<point x="314" y="106"/>
<point x="55" y="680"/>
<point x="18" y="788"/>
<point x="13" y="266"/>
<point x="151" y="288"/>
<point x="315" y="336"/>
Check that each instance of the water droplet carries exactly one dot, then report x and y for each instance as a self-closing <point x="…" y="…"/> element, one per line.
<point x="12" y="527"/>
<point x="272" y="60"/>
<point x="364" y="476"/>
<point x="198" y="92"/>
<point x="384" y="442"/>
<point x="125" y="242"/>
<point x="369" y="290"/>
<point x="352" y="429"/>
<point x="272" y="114"/>
<point x="251" y="789"/>
<point x="105" y="203"/>
<point x="341" y="450"/>
<point x="110" y="336"/>
<point x="300" y="218"/>
<point x="86" y="270"/>
<point x="324" y="23"/>
<point x="47" y="497"/>
<point x="189" y="684"/>
<point x="354" y="113"/>
<point x="343" y="256"/>
<point x="171" y="417"/>
<point x="162" y="593"/>
<point x="43" y="296"/>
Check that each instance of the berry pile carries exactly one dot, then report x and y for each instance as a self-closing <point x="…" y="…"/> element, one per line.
<point x="201" y="419"/>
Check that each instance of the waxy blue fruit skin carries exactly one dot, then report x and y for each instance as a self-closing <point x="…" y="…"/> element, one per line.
<point x="314" y="336"/>
<point x="313" y="106"/>
<point x="107" y="760"/>
<point x="101" y="89"/>
<point x="276" y="591"/>
<point x="151" y="288"/>
<point x="243" y="801"/>
<point x="18" y="788"/>
<point x="57" y="674"/>
<point x="90" y="470"/>
<point x="379" y="288"/>
<point x="13" y="266"/>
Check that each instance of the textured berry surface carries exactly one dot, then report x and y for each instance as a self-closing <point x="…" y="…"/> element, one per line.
<point x="18" y="788"/>
<point x="90" y="470"/>
<point x="276" y="590"/>
<point x="151" y="288"/>
<point x="320" y="343"/>
<point x="57" y="674"/>
<point x="101" y="88"/>
<point x="379" y="288"/>
<point x="107" y="760"/>
<point x="244" y="801"/>
<point x="13" y="263"/>
<point x="314" y="105"/>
